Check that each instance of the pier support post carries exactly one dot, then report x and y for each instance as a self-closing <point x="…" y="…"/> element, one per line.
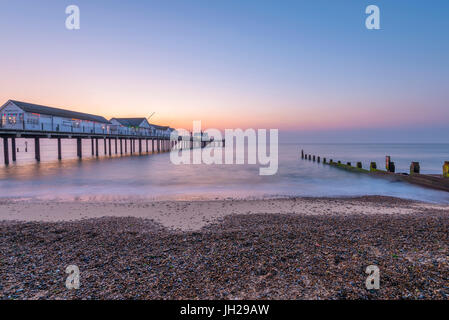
<point x="310" y="157"/>
<point x="414" y="168"/>
<point x="313" y="158"/>
<point x="105" y="147"/>
<point x="446" y="169"/>
<point x="126" y="146"/>
<point x="318" y="159"/>
<point x="60" y="149"/>
<point x="6" y="150"/>
<point x="158" y="142"/>
<point x="324" y="160"/>
<point x="13" y="149"/>
<point x="79" y="145"/>
<point x="110" y="147"/>
<point x="152" y="145"/>
<point x="92" y="146"/>
<point x="116" y="151"/>
<point x="121" y="146"/>
<point x="302" y="154"/>
<point x="131" y="146"/>
<point x="140" y="146"/>
<point x="96" y="147"/>
<point x="37" y="149"/>
<point x="146" y="142"/>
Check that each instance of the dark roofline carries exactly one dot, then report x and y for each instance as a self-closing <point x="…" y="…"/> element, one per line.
<point x="57" y="112"/>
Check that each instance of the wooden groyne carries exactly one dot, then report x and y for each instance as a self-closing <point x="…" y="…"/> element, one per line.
<point x="433" y="181"/>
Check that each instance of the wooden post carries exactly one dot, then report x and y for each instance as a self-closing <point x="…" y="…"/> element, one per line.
<point x="446" y="169"/>
<point x="359" y="165"/>
<point x="92" y="146"/>
<point x="13" y="149"/>
<point x="373" y="166"/>
<point x="37" y="149"/>
<point x="110" y="148"/>
<point x="152" y="145"/>
<point x="96" y="147"/>
<point x="116" y="151"/>
<point x="121" y="146"/>
<point x="126" y="146"/>
<point x="158" y="142"/>
<point x="387" y="162"/>
<point x="146" y="142"/>
<point x="310" y="157"/>
<point x="6" y="150"/>
<point x="140" y="146"/>
<point x="349" y="164"/>
<point x="131" y="145"/>
<point x="313" y="158"/>
<point x="318" y="159"/>
<point x="302" y="154"/>
<point x="79" y="151"/>
<point x="105" y="147"/>
<point x="414" y="168"/>
<point x="324" y="160"/>
<point x="60" y="149"/>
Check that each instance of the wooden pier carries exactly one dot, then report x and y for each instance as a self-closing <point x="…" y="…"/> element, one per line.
<point x="433" y="181"/>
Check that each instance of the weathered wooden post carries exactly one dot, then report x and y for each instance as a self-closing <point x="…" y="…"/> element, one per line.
<point x="116" y="151"/>
<point x="318" y="159"/>
<point x="60" y="149"/>
<point x="373" y="166"/>
<point x="302" y="154"/>
<point x="37" y="149"/>
<point x="105" y="147"/>
<point x="13" y="149"/>
<point x="349" y="164"/>
<point x="96" y="147"/>
<point x="126" y="146"/>
<point x="446" y="169"/>
<point x="79" y="148"/>
<point x="140" y="146"/>
<point x="110" y="147"/>
<point x="359" y="165"/>
<point x="414" y="168"/>
<point x="121" y="146"/>
<point x="313" y="158"/>
<point x="152" y="145"/>
<point x="146" y="141"/>
<point x="391" y="167"/>
<point x="324" y="160"/>
<point x="6" y="150"/>
<point x="310" y="157"/>
<point x="92" y="146"/>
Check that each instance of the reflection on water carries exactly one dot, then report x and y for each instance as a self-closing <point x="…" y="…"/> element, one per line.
<point x="153" y="176"/>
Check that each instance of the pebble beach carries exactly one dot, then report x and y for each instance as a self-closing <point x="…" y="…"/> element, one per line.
<point x="292" y="248"/>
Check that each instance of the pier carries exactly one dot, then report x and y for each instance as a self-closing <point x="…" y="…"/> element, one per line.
<point x="21" y="120"/>
<point x="414" y="176"/>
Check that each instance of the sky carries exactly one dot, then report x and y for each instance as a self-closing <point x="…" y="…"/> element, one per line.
<point x="309" y="68"/>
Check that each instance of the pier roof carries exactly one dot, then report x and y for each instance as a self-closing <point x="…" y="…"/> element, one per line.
<point x="35" y="108"/>
<point x="133" y="122"/>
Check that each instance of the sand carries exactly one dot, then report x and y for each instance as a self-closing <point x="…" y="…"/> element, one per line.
<point x="194" y="215"/>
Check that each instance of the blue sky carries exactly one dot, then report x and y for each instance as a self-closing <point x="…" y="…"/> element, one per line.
<point x="306" y="67"/>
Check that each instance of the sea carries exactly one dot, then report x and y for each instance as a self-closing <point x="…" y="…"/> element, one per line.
<point x="155" y="176"/>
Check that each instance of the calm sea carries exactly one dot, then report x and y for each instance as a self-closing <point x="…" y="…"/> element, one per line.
<point x="154" y="176"/>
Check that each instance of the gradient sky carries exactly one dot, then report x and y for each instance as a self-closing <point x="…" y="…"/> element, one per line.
<point x="309" y="68"/>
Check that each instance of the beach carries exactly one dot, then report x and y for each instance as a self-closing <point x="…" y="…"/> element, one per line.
<point x="285" y="248"/>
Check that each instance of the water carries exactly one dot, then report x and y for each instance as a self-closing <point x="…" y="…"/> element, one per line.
<point x="154" y="176"/>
